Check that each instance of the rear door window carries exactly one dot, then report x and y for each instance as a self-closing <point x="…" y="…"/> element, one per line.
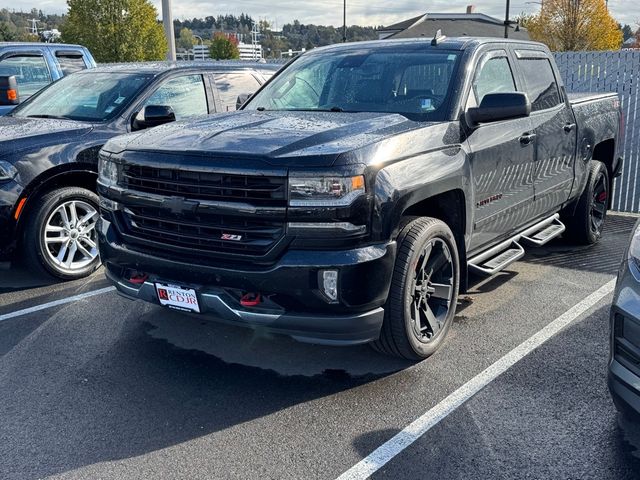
<point x="540" y="83"/>
<point x="70" y="62"/>
<point x="31" y="72"/>
<point x="186" y="95"/>
<point x="231" y="85"/>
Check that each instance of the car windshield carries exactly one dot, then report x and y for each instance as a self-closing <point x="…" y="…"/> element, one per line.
<point x="93" y="97"/>
<point x="414" y="81"/>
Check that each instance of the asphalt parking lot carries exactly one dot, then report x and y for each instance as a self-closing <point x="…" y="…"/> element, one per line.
<point x="105" y="388"/>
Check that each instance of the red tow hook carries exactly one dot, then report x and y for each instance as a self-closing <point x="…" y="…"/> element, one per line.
<point x="138" y="278"/>
<point x="250" y="300"/>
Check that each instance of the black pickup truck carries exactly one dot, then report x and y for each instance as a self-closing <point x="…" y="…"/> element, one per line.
<point x="354" y="193"/>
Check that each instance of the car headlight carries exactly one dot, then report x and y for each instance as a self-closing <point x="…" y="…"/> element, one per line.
<point x="107" y="171"/>
<point x="634" y="247"/>
<point x="7" y="171"/>
<point x="325" y="191"/>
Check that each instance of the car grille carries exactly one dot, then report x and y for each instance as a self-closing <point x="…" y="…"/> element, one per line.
<point x="209" y="233"/>
<point x="204" y="231"/>
<point x="255" y="190"/>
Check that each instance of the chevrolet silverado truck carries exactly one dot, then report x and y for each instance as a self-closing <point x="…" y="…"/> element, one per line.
<point x="353" y="195"/>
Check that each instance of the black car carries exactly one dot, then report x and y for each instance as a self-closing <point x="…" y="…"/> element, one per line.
<point x="49" y="149"/>
<point x="624" y="361"/>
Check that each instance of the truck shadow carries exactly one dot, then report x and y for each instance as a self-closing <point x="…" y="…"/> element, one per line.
<point x="163" y="379"/>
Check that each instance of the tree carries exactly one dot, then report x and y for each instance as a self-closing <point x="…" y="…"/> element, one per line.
<point x="223" y="48"/>
<point x="116" y="30"/>
<point x="568" y="25"/>
<point x="627" y="32"/>
<point x="186" y="38"/>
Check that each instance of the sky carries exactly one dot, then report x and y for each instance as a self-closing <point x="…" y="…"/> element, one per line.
<point x="329" y="12"/>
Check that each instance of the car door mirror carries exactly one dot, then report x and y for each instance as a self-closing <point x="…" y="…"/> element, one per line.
<point x="242" y="99"/>
<point x="152" y="116"/>
<point x="9" y="90"/>
<point x="499" y="106"/>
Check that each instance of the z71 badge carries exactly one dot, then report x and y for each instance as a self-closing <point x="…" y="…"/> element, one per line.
<point x="229" y="236"/>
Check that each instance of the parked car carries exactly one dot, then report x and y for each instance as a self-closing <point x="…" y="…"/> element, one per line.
<point x="624" y="360"/>
<point x="350" y="198"/>
<point x="49" y="149"/>
<point x="36" y="65"/>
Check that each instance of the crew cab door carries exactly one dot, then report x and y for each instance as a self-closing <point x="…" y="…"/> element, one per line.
<point x="501" y="157"/>
<point x="555" y="129"/>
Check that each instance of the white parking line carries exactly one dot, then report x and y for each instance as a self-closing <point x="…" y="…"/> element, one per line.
<point x="387" y="451"/>
<point x="55" y="303"/>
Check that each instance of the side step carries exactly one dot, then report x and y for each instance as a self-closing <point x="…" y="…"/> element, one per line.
<point x="504" y="254"/>
<point x="497" y="258"/>
<point x="548" y="230"/>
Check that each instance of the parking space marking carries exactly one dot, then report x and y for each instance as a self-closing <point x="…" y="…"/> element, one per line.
<point x="390" y="449"/>
<point x="55" y="303"/>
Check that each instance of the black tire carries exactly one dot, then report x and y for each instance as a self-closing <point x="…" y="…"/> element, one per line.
<point x="34" y="245"/>
<point x="585" y="223"/>
<point x="427" y="256"/>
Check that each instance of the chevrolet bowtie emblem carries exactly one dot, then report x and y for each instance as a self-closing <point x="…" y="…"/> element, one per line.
<point x="180" y="205"/>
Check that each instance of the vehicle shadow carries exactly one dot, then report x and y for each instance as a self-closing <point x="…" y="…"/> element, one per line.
<point x="148" y="379"/>
<point x="16" y="278"/>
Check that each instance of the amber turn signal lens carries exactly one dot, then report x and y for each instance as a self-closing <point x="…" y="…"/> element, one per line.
<point x="12" y="95"/>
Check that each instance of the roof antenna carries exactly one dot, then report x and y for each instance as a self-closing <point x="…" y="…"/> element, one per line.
<point x="437" y="38"/>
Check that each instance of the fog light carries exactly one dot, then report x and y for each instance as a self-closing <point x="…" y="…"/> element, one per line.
<point x="329" y="284"/>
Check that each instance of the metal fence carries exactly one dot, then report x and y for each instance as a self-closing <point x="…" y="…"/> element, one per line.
<point x="612" y="72"/>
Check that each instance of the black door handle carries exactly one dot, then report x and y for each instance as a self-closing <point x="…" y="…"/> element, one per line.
<point x="568" y="127"/>
<point x="527" y="138"/>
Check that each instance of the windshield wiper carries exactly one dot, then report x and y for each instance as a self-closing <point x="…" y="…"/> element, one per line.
<point x="57" y="117"/>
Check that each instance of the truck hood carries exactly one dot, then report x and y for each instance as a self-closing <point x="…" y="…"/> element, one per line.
<point x="278" y="138"/>
<point x="22" y="134"/>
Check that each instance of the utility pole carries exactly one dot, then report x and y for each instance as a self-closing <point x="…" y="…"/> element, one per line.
<point x="167" y="20"/>
<point x="344" y="21"/>
<point x="506" y="22"/>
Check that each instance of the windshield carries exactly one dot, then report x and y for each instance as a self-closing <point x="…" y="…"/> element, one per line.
<point x="86" y="96"/>
<point x="414" y="82"/>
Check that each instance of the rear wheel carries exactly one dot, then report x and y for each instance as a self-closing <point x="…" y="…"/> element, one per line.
<point x="424" y="291"/>
<point x="585" y="225"/>
<point x="60" y="236"/>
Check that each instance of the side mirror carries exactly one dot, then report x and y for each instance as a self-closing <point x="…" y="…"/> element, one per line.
<point x="152" y="116"/>
<point x="500" y="106"/>
<point x="242" y="99"/>
<point x="9" y="90"/>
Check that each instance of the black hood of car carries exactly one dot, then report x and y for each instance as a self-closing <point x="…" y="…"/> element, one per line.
<point x="23" y="134"/>
<point x="278" y="138"/>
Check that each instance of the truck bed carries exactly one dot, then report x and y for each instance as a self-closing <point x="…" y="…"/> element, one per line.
<point x="584" y="97"/>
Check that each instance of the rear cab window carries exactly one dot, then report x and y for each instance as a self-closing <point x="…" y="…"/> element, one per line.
<point x="539" y="79"/>
<point x="30" y="69"/>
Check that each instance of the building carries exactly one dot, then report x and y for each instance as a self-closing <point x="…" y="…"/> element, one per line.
<point x="452" y="25"/>
<point x="249" y="51"/>
<point x="200" y="52"/>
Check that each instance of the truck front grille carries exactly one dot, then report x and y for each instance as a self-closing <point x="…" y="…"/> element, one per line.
<point x="196" y="185"/>
<point x="203" y="232"/>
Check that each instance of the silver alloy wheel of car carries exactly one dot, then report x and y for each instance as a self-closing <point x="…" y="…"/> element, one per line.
<point x="69" y="236"/>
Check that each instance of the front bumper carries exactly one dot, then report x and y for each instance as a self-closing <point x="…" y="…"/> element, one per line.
<point x="295" y="306"/>
<point x="9" y="195"/>
<point x="624" y="365"/>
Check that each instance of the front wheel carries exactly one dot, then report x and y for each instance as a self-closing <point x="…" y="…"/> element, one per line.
<point x="60" y="235"/>
<point x="424" y="291"/>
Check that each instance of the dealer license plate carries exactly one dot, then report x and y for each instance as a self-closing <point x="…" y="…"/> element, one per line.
<point x="178" y="298"/>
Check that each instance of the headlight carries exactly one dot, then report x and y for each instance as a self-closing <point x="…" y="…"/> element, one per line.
<point x="634" y="248"/>
<point x="7" y="171"/>
<point x="325" y="191"/>
<point x="107" y="171"/>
